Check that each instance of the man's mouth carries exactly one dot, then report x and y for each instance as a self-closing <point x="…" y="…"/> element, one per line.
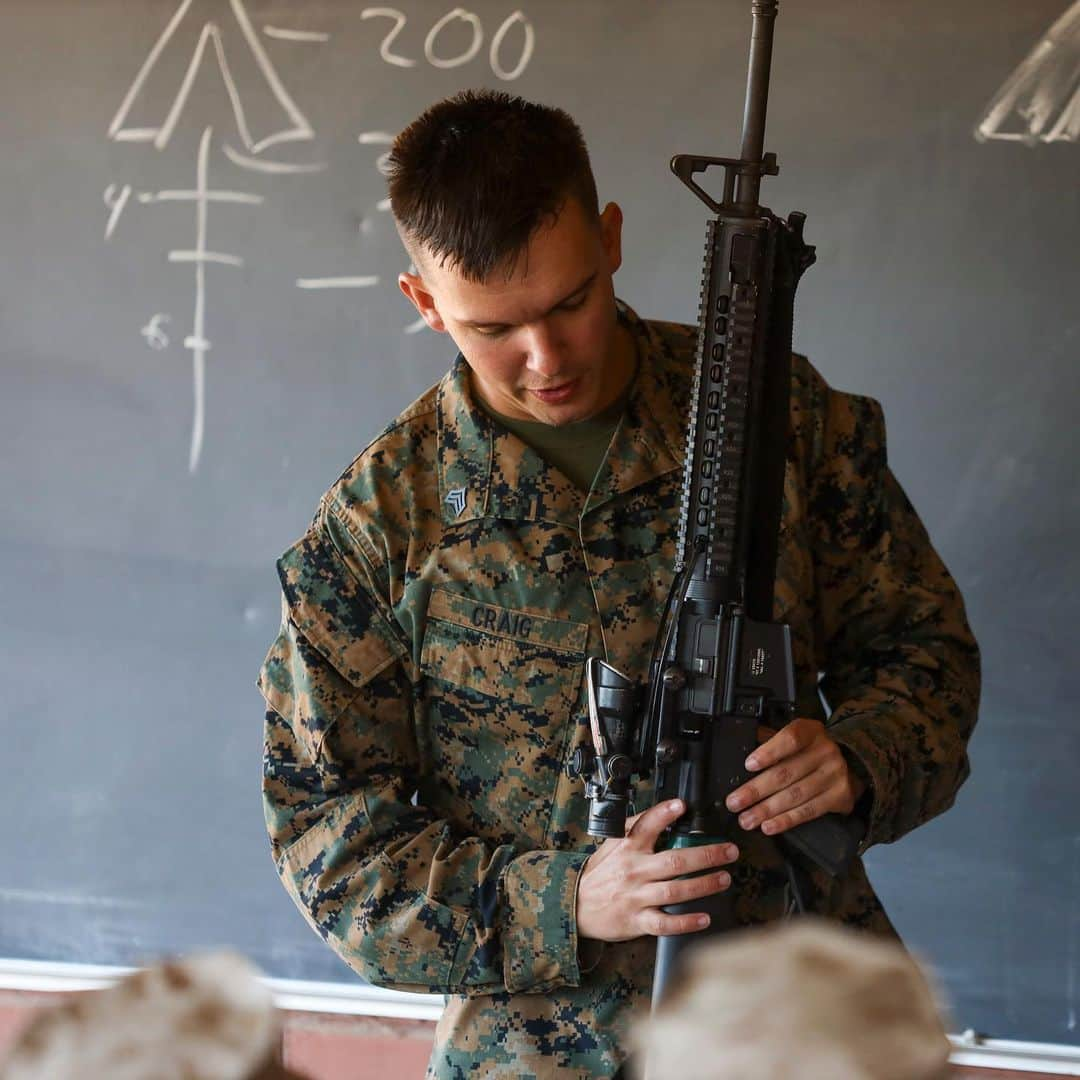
<point x="556" y="394"/>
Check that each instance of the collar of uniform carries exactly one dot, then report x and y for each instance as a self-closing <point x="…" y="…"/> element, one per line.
<point x="465" y="445"/>
<point x="484" y="470"/>
<point x="649" y="441"/>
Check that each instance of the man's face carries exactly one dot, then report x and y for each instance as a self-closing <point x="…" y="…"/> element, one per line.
<point x="543" y="344"/>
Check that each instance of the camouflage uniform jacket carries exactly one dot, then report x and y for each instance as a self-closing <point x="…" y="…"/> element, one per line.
<point x="426" y="691"/>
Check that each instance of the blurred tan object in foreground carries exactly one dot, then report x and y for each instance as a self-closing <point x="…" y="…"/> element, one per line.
<point x="207" y="1017"/>
<point x="805" y="998"/>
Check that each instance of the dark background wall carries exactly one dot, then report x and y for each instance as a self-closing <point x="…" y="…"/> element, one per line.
<point x="136" y="557"/>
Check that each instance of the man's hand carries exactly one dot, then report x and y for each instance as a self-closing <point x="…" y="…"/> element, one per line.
<point x="802" y="775"/>
<point x="626" y="882"/>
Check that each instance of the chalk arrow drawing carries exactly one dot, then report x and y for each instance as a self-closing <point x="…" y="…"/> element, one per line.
<point x="1040" y="100"/>
<point x="197" y="341"/>
<point x="296" y="128"/>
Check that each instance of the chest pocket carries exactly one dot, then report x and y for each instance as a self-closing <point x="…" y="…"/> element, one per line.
<point x="500" y="687"/>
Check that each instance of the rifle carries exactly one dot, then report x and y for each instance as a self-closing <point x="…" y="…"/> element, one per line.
<point x="720" y="665"/>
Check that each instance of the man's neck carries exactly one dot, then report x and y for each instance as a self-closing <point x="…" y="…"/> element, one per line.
<point x="624" y="364"/>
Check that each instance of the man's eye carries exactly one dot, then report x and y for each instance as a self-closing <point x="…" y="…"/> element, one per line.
<point x="573" y="305"/>
<point x="492" y="331"/>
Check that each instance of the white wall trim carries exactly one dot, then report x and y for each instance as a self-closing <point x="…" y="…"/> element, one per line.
<point x="345" y="999"/>
<point x="970" y="1049"/>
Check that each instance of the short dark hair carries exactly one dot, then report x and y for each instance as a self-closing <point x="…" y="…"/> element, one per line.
<point x="474" y="176"/>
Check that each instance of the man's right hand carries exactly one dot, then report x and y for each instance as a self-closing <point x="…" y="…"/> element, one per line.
<point x="626" y="882"/>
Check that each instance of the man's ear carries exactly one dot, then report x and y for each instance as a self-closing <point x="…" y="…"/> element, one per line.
<point x="412" y="285"/>
<point x="611" y="221"/>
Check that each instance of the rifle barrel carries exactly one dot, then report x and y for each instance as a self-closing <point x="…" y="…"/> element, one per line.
<point x="757" y="99"/>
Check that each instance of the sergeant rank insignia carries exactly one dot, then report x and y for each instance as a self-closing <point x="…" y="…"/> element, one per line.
<point x="455" y="499"/>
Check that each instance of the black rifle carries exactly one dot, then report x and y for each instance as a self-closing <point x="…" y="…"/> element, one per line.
<point x="720" y="665"/>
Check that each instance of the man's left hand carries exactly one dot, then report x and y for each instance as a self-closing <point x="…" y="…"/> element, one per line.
<point x="801" y="775"/>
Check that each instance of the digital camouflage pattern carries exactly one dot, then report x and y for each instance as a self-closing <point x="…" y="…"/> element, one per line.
<point x="436" y="619"/>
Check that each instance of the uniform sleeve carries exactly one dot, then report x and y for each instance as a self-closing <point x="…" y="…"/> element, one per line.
<point x="900" y="664"/>
<point x="399" y="894"/>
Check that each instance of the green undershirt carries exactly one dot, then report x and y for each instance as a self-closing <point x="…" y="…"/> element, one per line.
<point x="576" y="450"/>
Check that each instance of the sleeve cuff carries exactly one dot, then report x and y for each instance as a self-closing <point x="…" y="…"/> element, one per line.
<point x="590" y="950"/>
<point x="869" y="765"/>
<point x="540" y="942"/>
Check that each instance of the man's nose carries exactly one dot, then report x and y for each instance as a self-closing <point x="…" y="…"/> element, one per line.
<point x="545" y="353"/>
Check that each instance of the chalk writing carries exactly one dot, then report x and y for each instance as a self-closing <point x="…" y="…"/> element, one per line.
<point x="1040" y="101"/>
<point x="385" y="50"/>
<point x="295" y="35"/>
<point x="463" y="58"/>
<point x="116" y="203"/>
<point x="529" y="43"/>
<point x="338" y="282"/>
<point x="471" y="20"/>
<point x="281" y="168"/>
<point x="155" y="336"/>
<point x="190" y="193"/>
<point x="453" y="40"/>
<point x="382" y="162"/>
<point x="197" y="340"/>
<point x="297" y="128"/>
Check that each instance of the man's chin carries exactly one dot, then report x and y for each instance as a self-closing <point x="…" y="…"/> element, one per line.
<point x="562" y="416"/>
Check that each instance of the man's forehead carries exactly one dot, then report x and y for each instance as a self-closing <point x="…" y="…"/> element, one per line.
<point x="536" y="280"/>
<point x="522" y="299"/>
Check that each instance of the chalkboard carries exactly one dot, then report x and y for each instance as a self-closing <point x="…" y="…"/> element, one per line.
<point x="201" y="328"/>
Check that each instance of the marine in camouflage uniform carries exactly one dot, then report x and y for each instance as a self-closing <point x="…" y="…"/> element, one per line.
<point x="427" y="689"/>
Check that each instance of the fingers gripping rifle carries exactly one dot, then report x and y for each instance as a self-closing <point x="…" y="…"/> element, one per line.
<point x="720" y="665"/>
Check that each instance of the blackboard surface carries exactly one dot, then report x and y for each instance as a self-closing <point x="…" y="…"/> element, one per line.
<point x="180" y="382"/>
